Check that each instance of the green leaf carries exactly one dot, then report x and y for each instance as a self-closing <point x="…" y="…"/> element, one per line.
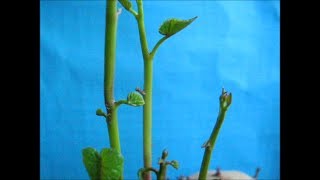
<point x="172" y="26"/>
<point x="175" y="164"/>
<point x="99" y="112"/>
<point x="135" y="99"/>
<point x="92" y="160"/>
<point x="126" y="4"/>
<point x="111" y="164"/>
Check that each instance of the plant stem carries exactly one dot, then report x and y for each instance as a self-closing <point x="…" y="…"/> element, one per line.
<point x="147" y="114"/>
<point x="113" y="130"/>
<point x="154" y="50"/>
<point x="118" y="103"/>
<point x="162" y="172"/>
<point x="142" y="31"/>
<point x="109" y="71"/>
<point x="147" y="108"/>
<point x="148" y="78"/>
<point x="210" y="145"/>
<point x="151" y="169"/>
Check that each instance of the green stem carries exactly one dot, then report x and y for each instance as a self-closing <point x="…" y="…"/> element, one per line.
<point x="147" y="116"/>
<point x="162" y="171"/>
<point x="142" y="31"/>
<point x="113" y="130"/>
<point x="118" y="103"/>
<point x="145" y="170"/>
<point x="147" y="108"/>
<point x="134" y="13"/>
<point x="154" y="50"/>
<point x="210" y="145"/>
<point x="109" y="71"/>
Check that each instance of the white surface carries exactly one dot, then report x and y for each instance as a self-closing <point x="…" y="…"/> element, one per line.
<point x="225" y="175"/>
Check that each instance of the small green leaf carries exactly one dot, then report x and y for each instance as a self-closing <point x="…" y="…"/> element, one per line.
<point x="126" y="4"/>
<point x="135" y="99"/>
<point x="172" y="26"/>
<point x="111" y="164"/>
<point x="92" y="160"/>
<point x="99" y="112"/>
<point x="175" y="164"/>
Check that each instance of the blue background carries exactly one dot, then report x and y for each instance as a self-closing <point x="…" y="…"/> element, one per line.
<point x="232" y="44"/>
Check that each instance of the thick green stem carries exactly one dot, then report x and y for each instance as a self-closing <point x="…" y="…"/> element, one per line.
<point x="162" y="172"/>
<point x="142" y="31"/>
<point x="109" y="71"/>
<point x="113" y="130"/>
<point x="147" y="115"/>
<point x="147" y="108"/>
<point x="210" y="145"/>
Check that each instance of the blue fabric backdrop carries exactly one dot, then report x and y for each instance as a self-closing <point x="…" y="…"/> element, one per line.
<point x="232" y="44"/>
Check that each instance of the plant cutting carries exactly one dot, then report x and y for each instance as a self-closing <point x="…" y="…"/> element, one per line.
<point x="108" y="163"/>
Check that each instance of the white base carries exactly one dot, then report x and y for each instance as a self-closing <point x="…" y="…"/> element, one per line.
<point x="225" y="175"/>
